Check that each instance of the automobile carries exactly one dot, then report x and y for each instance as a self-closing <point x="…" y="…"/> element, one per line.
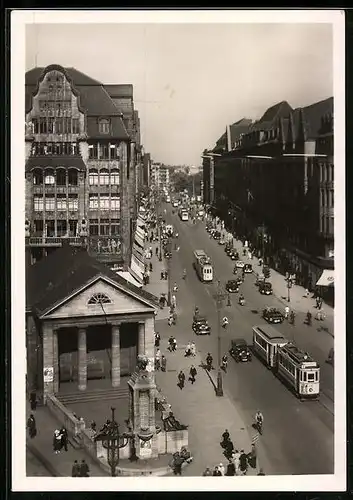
<point x="272" y="315"/>
<point x="217" y="235"/>
<point x="238" y="279"/>
<point x="265" y="288"/>
<point x="227" y="248"/>
<point x="240" y="264"/>
<point x="201" y="326"/>
<point x="234" y="255"/>
<point x="248" y="268"/>
<point x="260" y="278"/>
<point x="221" y="242"/>
<point x="209" y="228"/>
<point x="232" y="286"/>
<point x="240" y="351"/>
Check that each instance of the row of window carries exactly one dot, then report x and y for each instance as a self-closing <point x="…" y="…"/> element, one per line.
<point x="56" y="125"/>
<point x="104" y="227"/>
<point x="59" y="176"/>
<point x="259" y="340"/>
<point x="327" y="224"/>
<point x="327" y="198"/>
<point x="55" y="148"/>
<point x="104" y="177"/>
<point x="287" y="365"/>
<point x="62" y="227"/>
<point x="103" y="151"/>
<point x="62" y="203"/>
<point x="104" y="202"/>
<point x="326" y="172"/>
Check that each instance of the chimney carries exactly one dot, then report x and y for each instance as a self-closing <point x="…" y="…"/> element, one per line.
<point x="229" y="140"/>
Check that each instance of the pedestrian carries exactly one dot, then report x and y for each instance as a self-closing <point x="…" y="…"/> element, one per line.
<point x="33" y="400"/>
<point x="157" y="339"/>
<point x="84" y="469"/>
<point x="156" y="251"/>
<point x="209" y="361"/>
<point x="158" y="359"/>
<point x="57" y="444"/>
<point x="181" y="379"/>
<point x="174" y="301"/>
<point x="93" y="426"/>
<point x="178" y="461"/>
<point x="162" y="275"/>
<point x="243" y="459"/>
<point x="230" y="468"/>
<point x="193" y="349"/>
<point x="236" y="461"/>
<point x="229" y="448"/>
<point x="163" y="363"/>
<point x="216" y="471"/>
<point x="207" y="472"/>
<point x="307" y="293"/>
<point x="225" y="438"/>
<point x="252" y="457"/>
<point x="64" y="438"/>
<point x="193" y="374"/>
<point x="75" y="471"/>
<point x="286" y="312"/>
<point x="221" y="469"/>
<point x="174" y="346"/>
<point x="32" y="426"/>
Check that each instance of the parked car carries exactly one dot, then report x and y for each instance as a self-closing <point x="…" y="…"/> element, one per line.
<point x="221" y="242"/>
<point x="240" y="351"/>
<point x="232" y="286"/>
<point x="217" y="235"/>
<point x="239" y="264"/>
<point x="248" y="268"/>
<point x="234" y="255"/>
<point x="265" y="288"/>
<point x="201" y="326"/>
<point x="228" y="249"/>
<point x="272" y="315"/>
<point x="260" y="278"/>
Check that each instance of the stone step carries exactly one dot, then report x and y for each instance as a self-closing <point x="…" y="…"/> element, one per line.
<point x="97" y="395"/>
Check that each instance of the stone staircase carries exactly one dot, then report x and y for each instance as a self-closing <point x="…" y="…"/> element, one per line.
<point x="94" y="395"/>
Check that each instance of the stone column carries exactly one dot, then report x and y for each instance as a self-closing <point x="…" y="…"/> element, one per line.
<point x="115" y="355"/>
<point x="82" y="359"/>
<point x="55" y="361"/>
<point x="141" y="344"/>
<point x="48" y="361"/>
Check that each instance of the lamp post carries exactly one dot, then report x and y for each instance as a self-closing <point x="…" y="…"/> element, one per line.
<point x="219" y="297"/>
<point x="289" y="286"/>
<point x="110" y="437"/>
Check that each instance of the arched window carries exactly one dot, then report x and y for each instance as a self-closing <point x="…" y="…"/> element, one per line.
<point x="103" y="126"/>
<point x="93" y="177"/>
<point x="73" y="177"/>
<point x="115" y="177"/>
<point x="99" y="298"/>
<point x="61" y="176"/>
<point x="37" y="177"/>
<point x="49" y="177"/>
<point x="104" y="177"/>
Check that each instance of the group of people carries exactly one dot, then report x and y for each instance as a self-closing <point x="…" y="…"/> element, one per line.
<point x="80" y="470"/>
<point x="160" y="361"/>
<point x="182" y="377"/>
<point x="60" y="440"/>
<point x="190" y="350"/>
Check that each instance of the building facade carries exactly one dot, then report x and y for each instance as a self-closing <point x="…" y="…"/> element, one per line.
<point x="159" y="176"/>
<point x="82" y="149"/>
<point x="275" y="187"/>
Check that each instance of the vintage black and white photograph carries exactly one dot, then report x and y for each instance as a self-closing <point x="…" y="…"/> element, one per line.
<point x="178" y="293"/>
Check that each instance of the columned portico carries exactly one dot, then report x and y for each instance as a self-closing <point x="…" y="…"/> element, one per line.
<point x="82" y="359"/>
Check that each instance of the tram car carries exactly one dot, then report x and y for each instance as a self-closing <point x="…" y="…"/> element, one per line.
<point x="296" y="368"/>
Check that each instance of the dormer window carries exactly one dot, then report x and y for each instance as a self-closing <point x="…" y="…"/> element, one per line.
<point x="104" y="126"/>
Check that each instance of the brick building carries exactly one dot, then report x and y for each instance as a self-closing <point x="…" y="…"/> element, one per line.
<point x="159" y="175"/>
<point x="275" y="187"/>
<point x="82" y="157"/>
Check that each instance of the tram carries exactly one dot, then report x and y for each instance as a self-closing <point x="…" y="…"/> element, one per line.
<point x="296" y="368"/>
<point x="203" y="266"/>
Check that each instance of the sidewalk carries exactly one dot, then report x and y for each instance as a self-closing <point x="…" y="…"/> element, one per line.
<point x="42" y="447"/>
<point x="298" y="301"/>
<point x="157" y="286"/>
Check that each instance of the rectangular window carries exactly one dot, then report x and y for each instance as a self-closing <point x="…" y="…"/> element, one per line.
<point x="50" y="203"/>
<point x="42" y="126"/>
<point x="114" y="178"/>
<point x="35" y="125"/>
<point x="61" y="202"/>
<point x="93" y="227"/>
<point x="322" y="224"/>
<point x="51" y="125"/>
<point x="75" y="126"/>
<point x="114" y="227"/>
<point x="38" y="203"/>
<point x="73" y="202"/>
<point x="93" y="202"/>
<point x="114" y="152"/>
<point x="104" y="202"/>
<point x="104" y="227"/>
<point x="103" y="152"/>
<point x="115" y="202"/>
<point x="93" y="151"/>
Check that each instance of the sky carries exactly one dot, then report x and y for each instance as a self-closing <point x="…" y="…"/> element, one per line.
<point x="191" y="80"/>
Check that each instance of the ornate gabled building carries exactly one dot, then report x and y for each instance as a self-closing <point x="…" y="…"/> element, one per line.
<point x="80" y="164"/>
<point x="279" y="176"/>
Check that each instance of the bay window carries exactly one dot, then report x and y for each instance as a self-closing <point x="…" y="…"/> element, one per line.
<point x="104" y="202"/>
<point x="93" y="202"/>
<point x="38" y="203"/>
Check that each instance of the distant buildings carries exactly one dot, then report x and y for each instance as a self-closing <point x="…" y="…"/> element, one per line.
<point x="83" y="164"/>
<point x="159" y="175"/>
<point x="274" y="181"/>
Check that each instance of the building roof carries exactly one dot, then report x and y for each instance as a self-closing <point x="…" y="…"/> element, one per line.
<point x="118" y="130"/>
<point x="312" y="116"/>
<point x="236" y="129"/>
<point x="121" y="90"/>
<point x="65" y="271"/>
<point x="55" y="161"/>
<point x="271" y="116"/>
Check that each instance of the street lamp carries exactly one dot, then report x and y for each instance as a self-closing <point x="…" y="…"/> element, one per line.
<point x="219" y="297"/>
<point x="289" y="286"/>
<point x="110" y="437"/>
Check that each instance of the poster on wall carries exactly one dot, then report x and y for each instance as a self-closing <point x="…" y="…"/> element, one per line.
<point x="145" y="448"/>
<point x="48" y="373"/>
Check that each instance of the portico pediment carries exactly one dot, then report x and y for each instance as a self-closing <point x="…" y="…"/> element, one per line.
<point x="101" y="296"/>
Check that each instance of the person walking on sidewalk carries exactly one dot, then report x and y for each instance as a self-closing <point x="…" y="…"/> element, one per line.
<point x="181" y="379"/>
<point x="193" y="374"/>
<point x="33" y="400"/>
<point x="193" y="349"/>
<point x="32" y="426"/>
<point x="57" y="444"/>
<point x="286" y="312"/>
<point x="163" y="363"/>
<point x="207" y="472"/>
<point x="157" y="339"/>
<point x="75" y="471"/>
<point x="236" y="460"/>
<point x="230" y="468"/>
<point x="221" y="469"/>
<point x="252" y="457"/>
<point x="151" y="267"/>
<point x="243" y="459"/>
<point x="229" y="448"/>
<point x="64" y="438"/>
<point x="209" y="361"/>
<point x="216" y="471"/>
<point x="158" y="359"/>
<point x="84" y="469"/>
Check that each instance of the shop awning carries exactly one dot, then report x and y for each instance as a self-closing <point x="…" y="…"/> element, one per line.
<point x="327" y="278"/>
<point x="137" y="268"/>
<point x="129" y="277"/>
<point x="138" y="252"/>
<point x="140" y="231"/>
<point x="139" y="240"/>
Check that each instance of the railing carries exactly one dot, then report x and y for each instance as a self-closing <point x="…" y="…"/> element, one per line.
<point x="73" y="426"/>
<point x="55" y="241"/>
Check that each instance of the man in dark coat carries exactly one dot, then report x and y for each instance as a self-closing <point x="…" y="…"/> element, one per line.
<point x="216" y="471"/>
<point x="33" y="400"/>
<point x="193" y="374"/>
<point x="157" y="339"/>
<point x="178" y="461"/>
<point x="252" y="457"/>
<point x="32" y="427"/>
<point x="163" y="363"/>
<point x="230" y="469"/>
<point x="181" y="379"/>
<point x="225" y="437"/>
<point x="75" y="472"/>
<point x="64" y="438"/>
<point x="84" y="469"/>
<point x="229" y="448"/>
<point x="243" y="459"/>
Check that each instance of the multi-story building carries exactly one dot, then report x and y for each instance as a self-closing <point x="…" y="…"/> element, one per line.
<point x="82" y="148"/>
<point x="275" y="185"/>
<point x="159" y="175"/>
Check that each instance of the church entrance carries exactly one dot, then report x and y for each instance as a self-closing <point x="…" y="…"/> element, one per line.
<point x="128" y="348"/>
<point x="99" y="343"/>
<point x="67" y="353"/>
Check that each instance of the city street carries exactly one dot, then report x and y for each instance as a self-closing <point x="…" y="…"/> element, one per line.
<point x="298" y="436"/>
